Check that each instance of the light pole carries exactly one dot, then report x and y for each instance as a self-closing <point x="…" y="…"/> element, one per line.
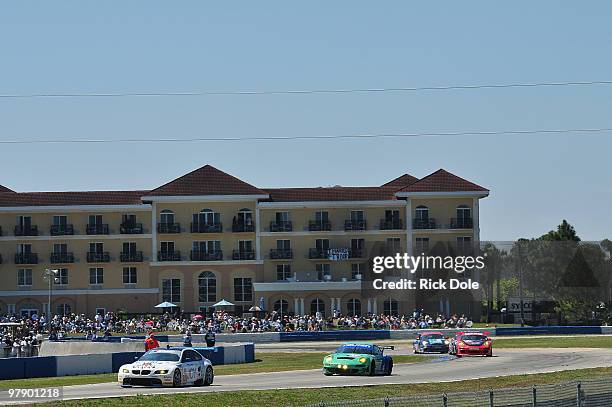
<point x="51" y="276"/>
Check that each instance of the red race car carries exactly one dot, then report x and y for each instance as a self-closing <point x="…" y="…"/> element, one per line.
<point x="471" y="343"/>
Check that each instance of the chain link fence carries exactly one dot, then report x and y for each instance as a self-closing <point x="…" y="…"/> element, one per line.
<point x="585" y="393"/>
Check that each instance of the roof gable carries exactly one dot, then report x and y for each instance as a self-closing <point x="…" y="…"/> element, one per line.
<point x="443" y="181"/>
<point x="5" y="189"/>
<point x="401" y="181"/>
<point x="206" y="180"/>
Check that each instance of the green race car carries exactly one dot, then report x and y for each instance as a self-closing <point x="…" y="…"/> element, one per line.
<point x="358" y="359"/>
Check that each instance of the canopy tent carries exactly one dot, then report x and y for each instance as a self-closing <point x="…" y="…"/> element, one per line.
<point x="166" y="304"/>
<point x="223" y="303"/>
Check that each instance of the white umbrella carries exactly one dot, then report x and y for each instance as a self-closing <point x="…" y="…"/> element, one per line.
<point x="165" y="304"/>
<point x="223" y="303"/>
<point x="254" y="308"/>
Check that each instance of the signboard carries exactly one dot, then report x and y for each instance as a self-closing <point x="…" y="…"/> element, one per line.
<point x="338" y="254"/>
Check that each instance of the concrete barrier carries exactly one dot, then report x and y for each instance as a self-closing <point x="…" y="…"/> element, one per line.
<point x="60" y="348"/>
<point x="68" y="365"/>
<point x="549" y="330"/>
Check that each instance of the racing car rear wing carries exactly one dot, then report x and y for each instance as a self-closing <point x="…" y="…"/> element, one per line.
<point x="388" y="347"/>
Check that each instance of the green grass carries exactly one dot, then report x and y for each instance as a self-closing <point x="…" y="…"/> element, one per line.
<point x="543" y="342"/>
<point x="300" y="397"/>
<point x="265" y="362"/>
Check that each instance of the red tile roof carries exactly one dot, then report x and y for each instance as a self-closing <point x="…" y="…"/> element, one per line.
<point x="71" y="198"/>
<point x="206" y="180"/>
<point x="330" y="194"/>
<point x="442" y="181"/>
<point x="5" y="189"/>
<point x="401" y="181"/>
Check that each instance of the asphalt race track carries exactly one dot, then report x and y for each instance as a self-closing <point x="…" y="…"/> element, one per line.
<point x="505" y="362"/>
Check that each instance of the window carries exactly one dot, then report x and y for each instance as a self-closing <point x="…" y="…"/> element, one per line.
<point x="171" y="290"/>
<point x="321" y="217"/>
<point x="166" y="216"/>
<point x="281" y="306"/>
<point x="62" y="277"/>
<point x="282" y="217"/>
<point x="60" y="248"/>
<point x="357" y="216"/>
<point x="24" y="277"/>
<point x="245" y="217"/>
<point x="463" y="212"/>
<point x="95" y="220"/>
<point x="392" y="215"/>
<point x="60" y="220"/>
<point x="24" y="248"/>
<point x="64" y="309"/>
<point x="245" y="246"/>
<point x="207" y="246"/>
<point x="129" y="247"/>
<point x="394" y="245"/>
<point x="354" y="307"/>
<point x="207" y="217"/>
<point x="422" y="213"/>
<point x="96" y="275"/>
<point x="357" y="248"/>
<point x="322" y="245"/>
<point x="130" y="276"/>
<point x="243" y="289"/>
<point x="422" y="245"/>
<point x="207" y="287"/>
<point x="323" y="271"/>
<point x="283" y="272"/>
<point x="24" y="222"/>
<point x="355" y="270"/>
<point x="167" y="247"/>
<point x="317" y="305"/>
<point x="390" y="306"/>
<point x="128" y="219"/>
<point x="96" y="248"/>
<point x="464" y="243"/>
<point x="283" y="244"/>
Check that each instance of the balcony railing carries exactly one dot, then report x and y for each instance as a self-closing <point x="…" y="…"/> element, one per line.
<point x="280" y="254"/>
<point x="319" y="226"/>
<point x="26" y="258"/>
<point x="206" y="227"/>
<point x="200" y="255"/>
<point x="243" y="227"/>
<point x="429" y="223"/>
<point x="315" y="253"/>
<point x="461" y="223"/>
<point x="356" y="253"/>
<point x="391" y="224"/>
<point x="97" y="229"/>
<point x="281" y="226"/>
<point x="98" y="257"/>
<point x="243" y="255"/>
<point x="168" y="228"/>
<point x="130" y="228"/>
<point x="62" y="230"/>
<point x="169" y="256"/>
<point x="62" y="258"/>
<point x="131" y="257"/>
<point x="26" y="230"/>
<point x="350" y="224"/>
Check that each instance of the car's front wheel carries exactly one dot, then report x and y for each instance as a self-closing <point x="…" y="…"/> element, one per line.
<point x="176" y="378"/>
<point x="209" y="376"/>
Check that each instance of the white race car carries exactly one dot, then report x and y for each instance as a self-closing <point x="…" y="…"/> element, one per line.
<point x="167" y="367"/>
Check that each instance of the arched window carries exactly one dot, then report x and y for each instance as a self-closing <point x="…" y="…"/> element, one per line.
<point x="390" y="307"/>
<point x="281" y="306"/>
<point x="207" y="287"/>
<point x="166" y="216"/>
<point x="317" y="305"/>
<point x="64" y="309"/>
<point x="354" y="307"/>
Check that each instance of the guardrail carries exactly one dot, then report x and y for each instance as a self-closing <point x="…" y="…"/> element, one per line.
<point x="589" y="392"/>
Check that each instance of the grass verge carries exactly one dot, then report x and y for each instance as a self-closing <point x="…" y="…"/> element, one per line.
<point x="543" y="342"/>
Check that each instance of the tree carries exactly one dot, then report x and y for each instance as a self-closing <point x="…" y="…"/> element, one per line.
<point x="564" y="231"/>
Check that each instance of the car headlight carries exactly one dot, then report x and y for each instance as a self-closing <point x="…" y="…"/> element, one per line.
<point x="446" y="342"/>
<point x="328" y="359"/>
<point x="487" y="344"/>
<point x="425" y="343"/>
<point x="161" y="372"/>
<point x="125" y="370"/>
<point x="362" y="360"/>
<point x="344" y="367"/>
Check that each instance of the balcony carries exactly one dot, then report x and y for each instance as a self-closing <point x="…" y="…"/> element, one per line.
<point x="98" y="257"/>
<point x="462" y="223"/>
<point x="315" y="253"/>
<point x="319" y="226"/>
<point x="281" y="254"/>
<point x="243" y="255"/>
<point x="129" y="228"/>
<point x="26" y="258"/>
<point x="26" y="230"/>
<point x="62" y="258"/>
<point x="281" y="226"/>
<point x="350" y="224"/>
<point x="239" y="227"/>
<point x="356" y="253"/>
<point x="97" y="229"/>
<point x="169" y="256"/>
<point x="131" y="257"/>
<point x="61" y="230"/>
<point x="206" y="227"/>
<point x="395" y="224"/>
<point x="429" y="223"/>
<point x="168" y="228"/>
<point x="200" y="255"/>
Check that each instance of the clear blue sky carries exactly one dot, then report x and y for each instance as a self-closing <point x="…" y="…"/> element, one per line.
<point x="116" y="46"/>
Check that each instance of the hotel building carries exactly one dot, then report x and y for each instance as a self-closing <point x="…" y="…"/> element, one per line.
<point x="208" y="236"/>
